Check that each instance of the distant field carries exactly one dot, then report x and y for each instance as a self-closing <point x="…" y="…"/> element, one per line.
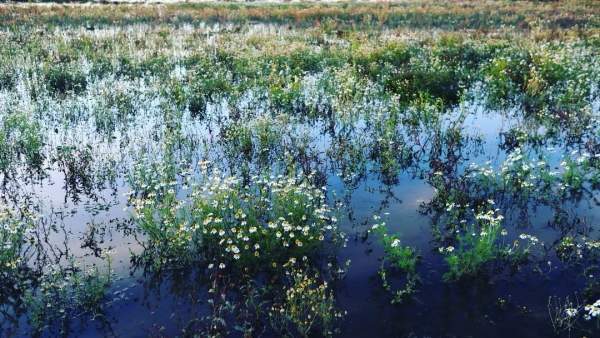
<point x="450" y="15"/>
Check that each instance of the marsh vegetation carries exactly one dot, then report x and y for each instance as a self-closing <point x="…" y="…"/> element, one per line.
<point x="411" y="169"/>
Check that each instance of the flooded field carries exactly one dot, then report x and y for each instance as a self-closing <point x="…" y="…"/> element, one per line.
<point x="409" y="170"/>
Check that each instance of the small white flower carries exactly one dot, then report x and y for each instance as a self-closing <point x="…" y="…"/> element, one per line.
<point x="571" y="312"/>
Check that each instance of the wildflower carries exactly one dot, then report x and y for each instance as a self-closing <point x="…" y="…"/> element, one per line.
<point x="571" y="312"/>
<point x="395" y="243"/>
<point x="593" y="310"/>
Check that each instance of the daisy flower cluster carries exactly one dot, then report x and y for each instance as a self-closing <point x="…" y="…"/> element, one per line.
<point x="577" y="249"/>
<point x="519" y="173"/>
<point x="13" y="234"/>
<point x="566" y="315"/>
<point x="228" y="222"/>
<point x="476" y="244"/>
<point x="592" y="310"/>
<point x="270" y="220"/>
<point x="307" y="307"/>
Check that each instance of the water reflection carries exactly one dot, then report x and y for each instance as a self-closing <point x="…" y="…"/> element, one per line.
<point x="374" y="158"/>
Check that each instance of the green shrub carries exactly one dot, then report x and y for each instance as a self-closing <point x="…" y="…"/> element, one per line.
<point x="62" y="78"/>
<point x="21" y="141"/>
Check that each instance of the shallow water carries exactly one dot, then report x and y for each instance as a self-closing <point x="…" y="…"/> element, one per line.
<point x="87" y="210"/>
